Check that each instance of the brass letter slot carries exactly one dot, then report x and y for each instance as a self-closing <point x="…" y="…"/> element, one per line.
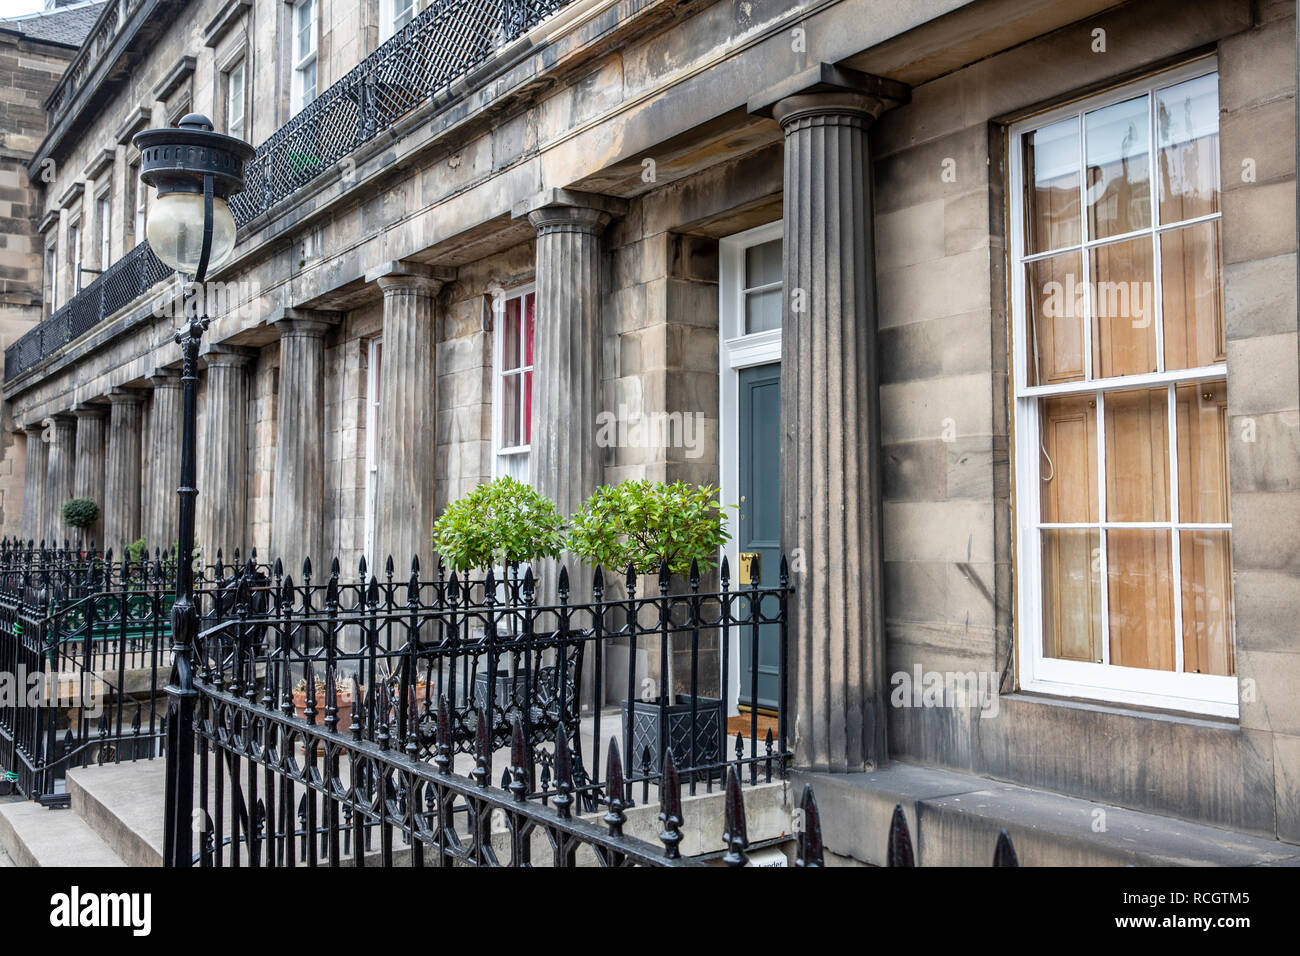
<point x="750" y="567"/>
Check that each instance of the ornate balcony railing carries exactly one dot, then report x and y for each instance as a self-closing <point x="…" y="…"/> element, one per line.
<point x="448" y="40"/>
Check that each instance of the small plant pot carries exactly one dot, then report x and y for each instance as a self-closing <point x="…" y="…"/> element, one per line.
<point x="646" y="718"/>
<point x="345" y="714"/>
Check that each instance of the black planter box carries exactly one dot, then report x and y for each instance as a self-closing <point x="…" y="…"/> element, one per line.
<point x="646" y="715"/>
<point x="510" y="693"/>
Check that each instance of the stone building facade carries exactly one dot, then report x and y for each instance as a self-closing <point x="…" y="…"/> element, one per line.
<point x="635" y="206"/>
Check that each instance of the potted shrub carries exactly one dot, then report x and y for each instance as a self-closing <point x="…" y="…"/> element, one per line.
<point x="648" y="526"/>
<point x="80" y="513"/>
<point x="501" y="524"/>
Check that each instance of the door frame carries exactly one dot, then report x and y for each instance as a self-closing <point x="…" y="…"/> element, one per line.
<point x="737" y="351"/>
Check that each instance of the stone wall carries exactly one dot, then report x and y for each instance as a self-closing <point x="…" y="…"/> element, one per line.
<point x="945" y="418"/>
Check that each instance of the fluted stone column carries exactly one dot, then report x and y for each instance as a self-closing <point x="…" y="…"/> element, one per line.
<point x="408" y="411"/>
<point x="830" y="469"/>
<point x="34" y="478"/>
<point x="122" y="473"/>
<point x="59" y="476"/>
<point x="298" y="501"/>
<point x="565" y="463"/>
<point x="88" y="481"/>
<point x="223" y="455"/>
<point x="163" y="464"/>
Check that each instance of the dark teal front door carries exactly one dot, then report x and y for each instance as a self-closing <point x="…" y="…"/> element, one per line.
<point x="759" y="527"/>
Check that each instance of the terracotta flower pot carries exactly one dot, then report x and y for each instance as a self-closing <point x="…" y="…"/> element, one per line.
<point x="345" y="713"/>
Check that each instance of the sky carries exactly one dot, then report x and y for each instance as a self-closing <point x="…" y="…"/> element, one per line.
<point x="16" y="8"/>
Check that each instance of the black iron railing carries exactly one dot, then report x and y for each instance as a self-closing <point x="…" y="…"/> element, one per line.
<point x="333" y="714"/>
<point x="444" y="43"/>
<point x="82" y="640"/>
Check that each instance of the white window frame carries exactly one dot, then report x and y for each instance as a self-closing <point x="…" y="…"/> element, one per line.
<point x="374" y="396"/>
<point x="1167" y="690"/>
<point x="738" y="350"/>
<point x="51" y="285"/>
<point x="238" y="68"/>
<point x="75" y="243"/>
<point x="104" y="226"/>
<point x="141" y="211"/>
<point x="499" y="450"/>
<point x="388" y="15"/>
<point x="303" y="59"/>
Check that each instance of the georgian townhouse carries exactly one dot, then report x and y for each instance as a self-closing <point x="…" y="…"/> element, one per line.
<point x="982" y="313"/>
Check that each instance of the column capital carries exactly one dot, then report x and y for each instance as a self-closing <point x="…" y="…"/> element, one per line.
<point x="125" y="396"/>
<point x="86" y="410"/>
<point x="37" y="429"/>
<point x="401" y="275"/>
<point x="310" y="323"/>
<point x="827" y="89"/>
<point x="569" y="210"/>
<point x="227" y="356"/>
<point x="165" y="378"/>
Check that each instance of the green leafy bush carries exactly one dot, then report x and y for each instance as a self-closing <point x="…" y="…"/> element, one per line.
<point x="80" y="512"/>
<point x="136" y="549"/>
<point x="644" y="523"/>
<point x="501" y="522"/>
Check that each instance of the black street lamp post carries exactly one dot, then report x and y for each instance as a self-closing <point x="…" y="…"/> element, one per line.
<point x="190" y="228"/>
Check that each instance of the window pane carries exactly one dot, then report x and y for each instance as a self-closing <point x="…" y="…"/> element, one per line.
<point x="1192" y="296"/>
<point x="404" y="11"/>
<point x="306" y="15"/>
<point x="1187" y="130"/>
<point x="527" y="413"/>
<point x="1123" y="308"/>
<point x="1054" y="293"/>
<point x="510" y="335"/>
<point x="1072" y="594"/>
<point x="1206" y="558"/>
<point x="510" y="424"/>
<point x="762" y="311"/>
<point x="1052" y="187"/>
<point x="1119" y="189"/>
<point x="1069" y="468"/>
<point x="530" y="302"/>
<point x="1140" y="598"/>
<point x="763" y="264"/>
<point x="1137" y="455"/>
<point x="1203" y="452"/>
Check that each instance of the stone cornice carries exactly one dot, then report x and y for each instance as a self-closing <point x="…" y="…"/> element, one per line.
<point x="138" y="119"/>
<point x="71" y="194"/>
<point x="226" y="18"/>
<point x="99" y="162"/>
<point x="177" y="75"/>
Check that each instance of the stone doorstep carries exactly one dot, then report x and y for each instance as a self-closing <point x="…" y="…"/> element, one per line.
<point x="31" y="835"/>
<point x="122" y="804"/>
<point x="954" y="820"/>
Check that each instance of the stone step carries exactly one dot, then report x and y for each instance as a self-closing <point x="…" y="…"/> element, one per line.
<point x="123" y="803"/>
<point x="954" y="820"/>
<point x="31" y="835"/>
